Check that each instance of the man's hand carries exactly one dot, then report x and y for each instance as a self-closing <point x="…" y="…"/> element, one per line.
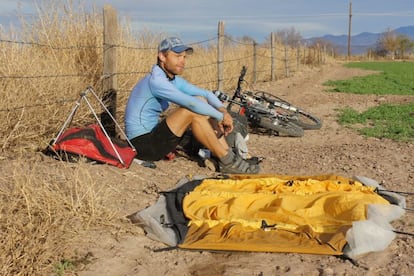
<point x="226" y="125"/>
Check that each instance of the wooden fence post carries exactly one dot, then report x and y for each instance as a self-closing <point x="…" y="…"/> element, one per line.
<point x="298" y="57"/>
<point x="110" y="81"/>
<point x="254" y="62"/>
<point x="314" y="55"/>
<point x="220" y="56"/>
<point x="286" y="63"/>
<point x="318" y="48"/>
<point x="305" y="55"/>
<point x="273" y="57"/>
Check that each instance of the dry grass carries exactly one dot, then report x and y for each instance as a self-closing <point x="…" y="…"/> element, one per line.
<point x="46" y="82"/>
<point x="44" y="79"/>
<point x="40" y="214"/>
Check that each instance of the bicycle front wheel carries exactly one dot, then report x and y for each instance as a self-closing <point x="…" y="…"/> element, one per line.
<point x="283" y="128"/>
<point x="303" y="119"/>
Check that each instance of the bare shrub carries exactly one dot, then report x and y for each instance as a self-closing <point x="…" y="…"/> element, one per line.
<point x="42" y="214"/>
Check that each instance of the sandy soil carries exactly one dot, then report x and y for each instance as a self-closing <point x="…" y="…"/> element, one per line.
<point x="332" y="149"/>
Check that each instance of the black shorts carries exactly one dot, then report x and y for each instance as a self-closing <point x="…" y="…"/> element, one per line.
<point x="157" y="144"/>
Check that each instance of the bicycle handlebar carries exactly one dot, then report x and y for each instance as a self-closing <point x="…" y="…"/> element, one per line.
<point x="241" y="79"/>
<point x="237" y="92"/>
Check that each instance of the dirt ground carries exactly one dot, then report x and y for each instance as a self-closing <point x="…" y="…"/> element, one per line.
<point x="332" y="149"/>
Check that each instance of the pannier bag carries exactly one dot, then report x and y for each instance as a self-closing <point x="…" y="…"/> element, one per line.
<point x="90" y="142"/>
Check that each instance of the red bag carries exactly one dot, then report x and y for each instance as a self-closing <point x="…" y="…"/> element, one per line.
<point x="92" y="143"/>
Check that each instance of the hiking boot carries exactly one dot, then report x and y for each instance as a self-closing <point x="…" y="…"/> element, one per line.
<point x="254" y="160"/>
<point x="239" y="166"/>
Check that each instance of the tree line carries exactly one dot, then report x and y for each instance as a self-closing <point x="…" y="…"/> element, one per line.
<point x="389" y="45"/>
<point x="393" y="45"/>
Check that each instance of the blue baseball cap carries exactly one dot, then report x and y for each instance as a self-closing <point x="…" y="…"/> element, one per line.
<point x="174" y="44"/>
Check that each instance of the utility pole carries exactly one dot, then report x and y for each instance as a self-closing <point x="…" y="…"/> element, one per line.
<point x="349" y="30"/>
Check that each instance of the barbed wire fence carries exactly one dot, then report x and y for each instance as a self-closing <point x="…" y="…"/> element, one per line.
<point x="266" y="63"/>
<point x="290" y="65"/>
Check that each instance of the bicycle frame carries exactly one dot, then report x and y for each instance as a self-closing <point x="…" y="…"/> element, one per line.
<point x="271" y="106"/>
<point x="258" y="112"/>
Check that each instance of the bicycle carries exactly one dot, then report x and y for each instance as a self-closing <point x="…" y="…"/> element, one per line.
<point x="265" y="111"/>
<point x="298" y="116"/>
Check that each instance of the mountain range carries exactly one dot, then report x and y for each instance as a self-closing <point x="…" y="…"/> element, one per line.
<point x="360" y="43"/>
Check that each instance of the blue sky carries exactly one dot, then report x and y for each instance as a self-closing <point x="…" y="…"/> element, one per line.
<point x="196" y="20"/>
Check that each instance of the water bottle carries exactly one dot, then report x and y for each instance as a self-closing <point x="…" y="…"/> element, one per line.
<point x="221" y="96"/>
<point x="204" y="153"/>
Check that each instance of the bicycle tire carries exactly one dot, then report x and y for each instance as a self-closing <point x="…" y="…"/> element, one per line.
<point x="281" y="127"/>
<point x="304" y="120"/>
<point x="296" y="115"/>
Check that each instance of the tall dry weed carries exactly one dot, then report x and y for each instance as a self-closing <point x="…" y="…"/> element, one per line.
<point x="62" y="55"/>
<point x="42" y="213"/>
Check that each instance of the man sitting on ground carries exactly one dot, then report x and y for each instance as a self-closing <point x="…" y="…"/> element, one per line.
<point x="197" y="109"/>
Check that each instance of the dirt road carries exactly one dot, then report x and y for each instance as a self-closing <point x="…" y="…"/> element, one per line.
<point x="332" y="149"/>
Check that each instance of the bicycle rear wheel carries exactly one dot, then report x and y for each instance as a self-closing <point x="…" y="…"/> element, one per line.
<point x="305" y="120"/>
<point x="283" y="128"/>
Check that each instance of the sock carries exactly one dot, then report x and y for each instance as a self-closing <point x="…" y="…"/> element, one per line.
<point x="228" y="158"/>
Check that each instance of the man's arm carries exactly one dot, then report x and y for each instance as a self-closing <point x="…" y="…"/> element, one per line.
<point x="226" y="124"/>
<point x="194" y="90"/>
<point x="164" y="89"/>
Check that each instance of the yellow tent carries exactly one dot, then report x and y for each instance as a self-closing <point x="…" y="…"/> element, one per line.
<point x="266" y="213"/>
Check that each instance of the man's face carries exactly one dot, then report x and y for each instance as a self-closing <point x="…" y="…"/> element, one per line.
<point x="173" y="63"/>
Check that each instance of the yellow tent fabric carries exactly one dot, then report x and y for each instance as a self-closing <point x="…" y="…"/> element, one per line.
<point x="275" y="213"/>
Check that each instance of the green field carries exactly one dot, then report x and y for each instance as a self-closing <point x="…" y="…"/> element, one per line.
<point x="394" y="78"/>
<point x="385" y="121"/>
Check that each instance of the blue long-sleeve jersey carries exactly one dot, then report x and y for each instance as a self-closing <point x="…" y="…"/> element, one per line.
<point x="152" y="95"/>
